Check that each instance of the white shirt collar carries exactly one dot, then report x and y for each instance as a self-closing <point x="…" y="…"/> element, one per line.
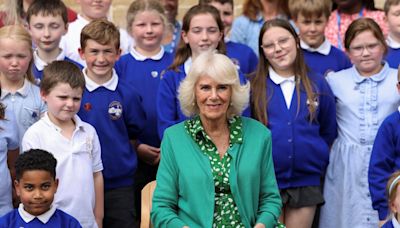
<point x="78" y="122"/>
<point x="40" y="64"/>
<point x="44" y="218"/>
<point x="392" y="43"/>
<point x="395" y="223"/>
<point x="140" y="57"/>
<point x="324" y="48"/>
<point x="23" y="91"/>
<point x="187" y="65"/>
<point x="110" y="84"/>
<point x="277" y="79"/>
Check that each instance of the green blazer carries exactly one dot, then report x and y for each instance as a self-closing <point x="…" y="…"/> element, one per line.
<point x="184" y="194"/>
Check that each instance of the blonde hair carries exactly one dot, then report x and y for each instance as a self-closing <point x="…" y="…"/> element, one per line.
<point x="13" y="11"/>
<point x="391" y="188"/>
<point x="139" y="6"/>
<point x="18" y="32"/>
<point x="309" y="8"/>
<point x="221" y="69"/>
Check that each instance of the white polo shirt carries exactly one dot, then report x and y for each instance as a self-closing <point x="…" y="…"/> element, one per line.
<point x="77" y="160"/>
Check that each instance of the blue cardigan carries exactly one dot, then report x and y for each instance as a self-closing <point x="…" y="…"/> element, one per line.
<point x="385" y="159"/>
<point x="301" y="148"/>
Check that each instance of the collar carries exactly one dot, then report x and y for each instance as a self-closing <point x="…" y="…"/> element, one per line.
<point x="44" y="218"/>
<point x="392" y="43"/>
<point x="376" y="77"/>
<point x="81" y="20"/>
<point x="324" y="48"/>
<point x="40" y="64"/>
<point x="195" y="128"/>
<point x="187" y="64"/>
<point x="395" y="223"/>
<point x="277" y="79"/>
<point x="78" y="123"/>
<point x="140" y="57"/>
<point x="23" y="91"/>
<point x="110" y="84"/>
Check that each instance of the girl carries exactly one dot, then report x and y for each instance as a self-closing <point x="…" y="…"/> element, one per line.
<point x="142" y="67"/>
<point x="393" y="194"/>
<point x="18" y="90"/>
<point x="298" y="107"/>
<point x="365" y="95"/>
<point x="8" y="154"/>
<point x="202" y="30"/>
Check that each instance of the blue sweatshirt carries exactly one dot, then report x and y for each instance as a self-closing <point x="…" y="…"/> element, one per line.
<point x="38" y="74"/>
<point x="243" y="56"/>
<point x="393" y="57"/>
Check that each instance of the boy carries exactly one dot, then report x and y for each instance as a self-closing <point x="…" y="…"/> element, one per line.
<point x="241" y="55"/>
<point x="114" y="108"/>
<point x="392" y="12"/>
<point x="47" y="23"/>
<point x="74" y="144"/>
<point x="385" y="160"/>
<point x="36" y="185"/>
<point x="90" y="10"/>
<point x="310" y="17"/>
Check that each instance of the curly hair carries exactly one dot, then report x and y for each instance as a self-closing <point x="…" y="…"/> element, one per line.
<point x="35" y="159"/>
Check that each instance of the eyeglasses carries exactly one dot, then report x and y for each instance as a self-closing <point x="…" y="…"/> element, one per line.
<point x="358" y="50"/>
<point x="283" y="43"/>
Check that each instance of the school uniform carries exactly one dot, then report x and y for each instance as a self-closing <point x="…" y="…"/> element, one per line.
<point x="168" y="107"/>
<point x="324" y="59"/>
<point x="71" y="41"/>
<point x="115" y="110"/>
<point x="300" y="148"/>
<point x="391" y="223"/>
<point x="52" y="218"/>
<point x="176" y="35"/>
<point x="38" y="65"/>
<point x="8" y="141"/>
<point x="27" y="105"/>
<point x="393" y="55"/>
<point x="385" y="160"/>
<point x="78" y="159"/>
<point x="242" y="56"/>
<point x="362" y="103"/>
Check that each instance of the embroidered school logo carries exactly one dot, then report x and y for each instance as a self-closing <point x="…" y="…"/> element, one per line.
<point x="154" y="74"/>
<point x="115" y="110"/>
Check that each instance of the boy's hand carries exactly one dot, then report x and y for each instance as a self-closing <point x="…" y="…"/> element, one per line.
<point x="148" y="154"/>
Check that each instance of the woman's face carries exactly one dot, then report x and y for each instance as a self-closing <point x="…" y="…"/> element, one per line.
<point x="280" y="49"/>
<point x="366" y="52"/>
<point x="203" y="34"/>
<point x="212" y="99"/>
<point x="395" y="205"/>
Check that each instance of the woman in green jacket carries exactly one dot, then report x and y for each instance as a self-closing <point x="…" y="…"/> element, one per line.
<point x="216" y="168"/>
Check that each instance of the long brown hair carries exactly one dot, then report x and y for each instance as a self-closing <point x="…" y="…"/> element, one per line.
<point x="183" y="51"/>
<point x="252" y="7"/>
<point x="259" y="100"/>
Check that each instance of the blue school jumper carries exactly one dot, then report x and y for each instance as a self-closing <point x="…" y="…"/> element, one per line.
<point x="145" y="76"/>
<point x="242" y="56"/>
<point x="118" y="116"/>
<point x="393" y="57"/>
<point x="388" y="224"/>
<point x="385" y="160"/>
<point x="336" y="60"/>
<point x="38" y="74"/>
<point x="300" y="148"/>
<point x="59" y="219"/>
<point x="168" y="107"/>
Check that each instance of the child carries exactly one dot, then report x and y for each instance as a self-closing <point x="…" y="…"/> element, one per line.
<point x="114" y="108"/>
<point x="347" y="12"/>
<point x="18" y="90"/>
<point x="392" y="12"/>
<point x="8" y="153"/>
<point x="202" y="30"/>
<point x="393" y="196"/>
<point x="90" y="10"/>
<point x="365" y="95"/>
<point x="311" y="17"/>
<point x="174" y="28"/>
<point x="73" y="143"/>
<point x="384" y="160"/>
<point x="36" y="185"/>
<point x="298" y="107"/>
<point x="47" y="23"/>
<point x="142" y="68"/>
<point x="242" y="56"/>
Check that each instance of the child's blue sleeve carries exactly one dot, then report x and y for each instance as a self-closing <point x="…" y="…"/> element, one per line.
<point x="327" y="112"/>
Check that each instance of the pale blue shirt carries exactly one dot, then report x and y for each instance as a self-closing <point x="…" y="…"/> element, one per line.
<point x="26" y="104"/>
<point x="8" y="141"/>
